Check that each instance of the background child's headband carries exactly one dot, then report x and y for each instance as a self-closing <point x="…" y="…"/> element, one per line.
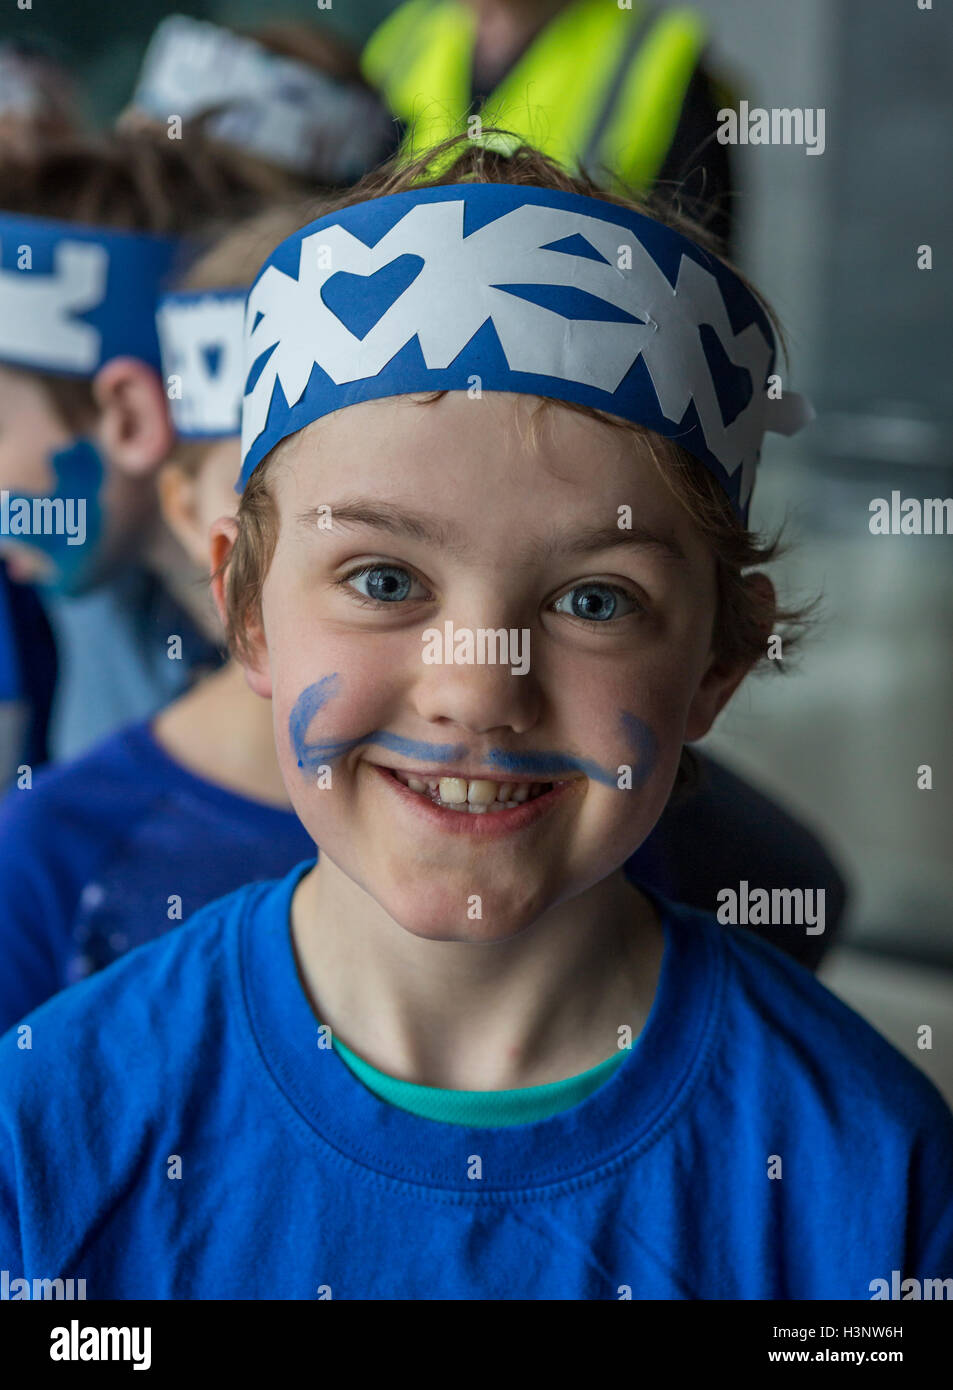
<point x="200" y="333"/>
<point x="286" y="112"/>
<point x="528" y="290"/>
<point x="72" y="297"/>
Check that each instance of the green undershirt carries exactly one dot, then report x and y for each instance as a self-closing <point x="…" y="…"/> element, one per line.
<point x="483" y="1109"/>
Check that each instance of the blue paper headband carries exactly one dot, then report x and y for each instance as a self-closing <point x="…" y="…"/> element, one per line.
<point x="73" y="297"/>
<point x="529" y="290"/>
<point x="200" y="334"/>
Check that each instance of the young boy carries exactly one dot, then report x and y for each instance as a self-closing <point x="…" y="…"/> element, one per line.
<point x="461" y="1056"/>
<point x="116" y="847"/>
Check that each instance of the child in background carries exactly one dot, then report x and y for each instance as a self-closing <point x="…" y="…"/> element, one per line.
<point x="37" y="101"/>
<point x="460" y="1056"/>
<point x="118" y="846"/>
<point x="89" y="232"/>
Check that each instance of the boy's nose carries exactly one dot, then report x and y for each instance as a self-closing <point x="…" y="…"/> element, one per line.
<point x="478" y="697"/>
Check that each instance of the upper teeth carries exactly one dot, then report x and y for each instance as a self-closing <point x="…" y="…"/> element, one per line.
<point x="457" y="791"/>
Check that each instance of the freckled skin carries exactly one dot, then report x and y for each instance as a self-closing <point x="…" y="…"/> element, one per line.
<point x="348" y="683"/>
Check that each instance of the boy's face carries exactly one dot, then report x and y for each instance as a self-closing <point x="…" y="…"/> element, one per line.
<point x="107" y="508"/>
<point x="620" y="671"/>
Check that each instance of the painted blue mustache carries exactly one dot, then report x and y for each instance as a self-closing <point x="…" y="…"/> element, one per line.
<point x="541" y="766"/>
<point x="312" y="755"/>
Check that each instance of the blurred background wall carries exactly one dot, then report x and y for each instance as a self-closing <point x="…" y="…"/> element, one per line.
<point x="832" y="240"/>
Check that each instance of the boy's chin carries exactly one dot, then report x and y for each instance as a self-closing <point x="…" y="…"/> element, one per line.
<point x="470" y="917"/>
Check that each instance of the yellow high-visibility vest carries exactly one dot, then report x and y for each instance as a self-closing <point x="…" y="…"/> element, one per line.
<point x="599" y="86"/>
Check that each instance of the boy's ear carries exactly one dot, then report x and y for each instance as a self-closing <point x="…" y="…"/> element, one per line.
<point x="254" y="659"/>
<point x="180" y="512"/>
<point x="134" y="426"/>
<point x="722" y="679"/>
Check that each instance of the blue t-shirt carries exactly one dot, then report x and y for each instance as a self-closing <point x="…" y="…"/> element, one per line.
<point x="114" y="849"/>
<point x="175" y="1130"/>
<point x="27" y="678"/>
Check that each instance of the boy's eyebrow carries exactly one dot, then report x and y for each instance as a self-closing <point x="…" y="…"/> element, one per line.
<point x="445" y="535"/>
<point x="580" y="541"/>
<point x="386" y="516"/>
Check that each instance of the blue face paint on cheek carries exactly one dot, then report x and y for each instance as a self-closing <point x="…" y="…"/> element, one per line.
<point x="546" y="766"/>
<point x="312" y="755"/>
<point x="642" y="740"/>
<point x="311" y="699"/>
<point x="66" y="524"/>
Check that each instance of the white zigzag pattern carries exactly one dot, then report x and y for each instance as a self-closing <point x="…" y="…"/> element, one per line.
<point x="38" y="326"/>
<point x="454" y="295"/>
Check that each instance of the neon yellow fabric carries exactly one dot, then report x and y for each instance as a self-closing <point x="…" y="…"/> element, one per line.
<point x="646" y="115"/>
<point x="484" y="1109"/>
<point x="420" y="59"/>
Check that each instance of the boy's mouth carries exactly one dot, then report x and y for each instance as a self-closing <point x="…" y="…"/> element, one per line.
<point x="475" y="796"/>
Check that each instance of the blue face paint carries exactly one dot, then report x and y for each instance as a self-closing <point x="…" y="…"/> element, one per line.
<point x="312" y="755"/>
<point x="544" y="766"/>
<point x="311" y="699"/>
<point x="541" y="766"/>
<point x="412" y="748"/>
<point x="78" y="473"/>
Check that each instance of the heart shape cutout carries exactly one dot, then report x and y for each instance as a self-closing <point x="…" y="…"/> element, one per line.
<point x="361" y="301"/>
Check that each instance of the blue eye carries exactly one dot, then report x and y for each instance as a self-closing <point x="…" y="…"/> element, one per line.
<point x="597" y="603"/>
<point x="385" y="583"/>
